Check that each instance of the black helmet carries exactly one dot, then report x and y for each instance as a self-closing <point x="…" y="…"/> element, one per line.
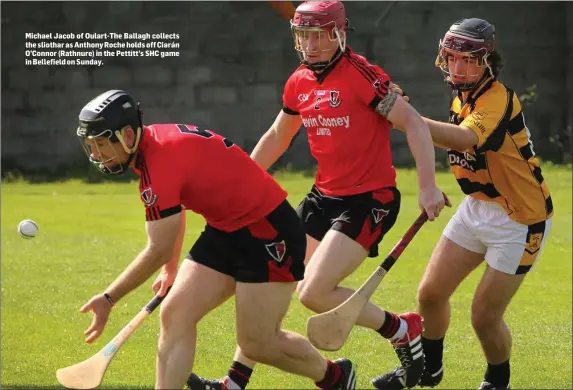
<point x="472" y="37"/>
<point x="108" y="115"/>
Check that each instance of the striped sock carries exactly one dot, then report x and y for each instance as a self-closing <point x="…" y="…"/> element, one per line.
<point x="394" y="328"/>
<point x="239" y="374"/>
<point x="332" y="378"/>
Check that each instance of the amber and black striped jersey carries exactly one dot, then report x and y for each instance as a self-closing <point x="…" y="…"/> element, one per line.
<point x="502" y="167"/>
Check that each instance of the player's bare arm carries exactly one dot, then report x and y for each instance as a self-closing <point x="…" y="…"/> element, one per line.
<point x="399" y="112"/>
<point x="161" y="238"/>
<point x="419" y="140"/>
<point x="178" y="243"/>
<point x="444" y="135"/>
<point x="162" y="235"/>
<point x="451" y="136"/>
<point x="166" y="278"/>
<point x="396" y="88"/>
<point x="276" y="140"/>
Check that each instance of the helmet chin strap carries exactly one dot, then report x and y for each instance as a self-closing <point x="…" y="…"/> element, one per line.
<point x="116" y="169"/>
<point x="130" y="151"/>
<point x="323" y="65"/>
<point x="469" y="87"/>
<point x="119" y="169"/>
<point x="317" y="66"/>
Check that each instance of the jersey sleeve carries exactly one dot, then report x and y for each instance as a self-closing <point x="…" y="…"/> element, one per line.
<point x="290" y="101"/>
<point x="487" y="116"/>
<point x="371" y="83"/>
<point x="160" y="191"/>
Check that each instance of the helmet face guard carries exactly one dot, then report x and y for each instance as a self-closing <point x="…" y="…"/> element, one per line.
<point x="106" y="157"/>
<point x="315" y="27"/>
<point x="449" y="76"/>
<point x="316" y="40"/>
<point x="464" y="40"/>
<point x="102" y="161"/>
<point x="101" y="131"/>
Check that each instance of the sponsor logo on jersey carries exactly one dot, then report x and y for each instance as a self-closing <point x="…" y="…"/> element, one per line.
<point x="463" y="160"/>
<point x="326" y="121"/>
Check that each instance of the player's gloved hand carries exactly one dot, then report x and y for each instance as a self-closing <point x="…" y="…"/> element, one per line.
<point x="396" y="89"/>
<point x="164" y="280"/>
<point x="101" y="308"/>
<point x="432" y="200"/>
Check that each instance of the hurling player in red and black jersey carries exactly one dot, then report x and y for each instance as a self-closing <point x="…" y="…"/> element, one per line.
<point x="253" y="245"/>
<point x="345" y="105"/>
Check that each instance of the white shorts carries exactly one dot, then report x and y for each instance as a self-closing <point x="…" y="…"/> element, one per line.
<point x="484" y="227"/>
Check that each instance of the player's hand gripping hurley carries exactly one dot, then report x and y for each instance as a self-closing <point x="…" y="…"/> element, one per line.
<point x="328" y="331"/>
<point x="89" y="373"/>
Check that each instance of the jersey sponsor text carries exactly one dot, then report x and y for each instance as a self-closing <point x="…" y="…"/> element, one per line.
<point x="462" y="159"/>
<point x="337" y="121"/>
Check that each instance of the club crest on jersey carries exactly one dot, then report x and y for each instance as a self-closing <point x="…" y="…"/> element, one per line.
<point x="379" y="214"/>
<point x="277" y="250"/>
<point x="148" y="197"/>
<point x="334" y="100"/>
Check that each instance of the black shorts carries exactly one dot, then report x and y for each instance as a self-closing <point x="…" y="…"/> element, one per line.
<point x="269" y="250"/>
<point x="365" y="217"/>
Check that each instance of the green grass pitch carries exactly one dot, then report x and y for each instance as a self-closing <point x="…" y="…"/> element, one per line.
<point x="90" y="232"/>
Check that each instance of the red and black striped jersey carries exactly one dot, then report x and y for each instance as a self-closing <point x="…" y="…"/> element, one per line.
<point x="348" y="138"/>
<point x="183" y="166"/>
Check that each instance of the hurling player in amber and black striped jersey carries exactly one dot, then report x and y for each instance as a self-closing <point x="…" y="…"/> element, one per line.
<point x="507" y="212"/>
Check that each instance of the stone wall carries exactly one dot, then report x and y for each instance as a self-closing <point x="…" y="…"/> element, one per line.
<point x="236" y="56"/>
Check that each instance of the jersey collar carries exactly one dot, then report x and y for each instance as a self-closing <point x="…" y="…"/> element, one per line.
<point x="482" y="88"/>
<point x="320" y="77"/>
<point x="139" y="157"/>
